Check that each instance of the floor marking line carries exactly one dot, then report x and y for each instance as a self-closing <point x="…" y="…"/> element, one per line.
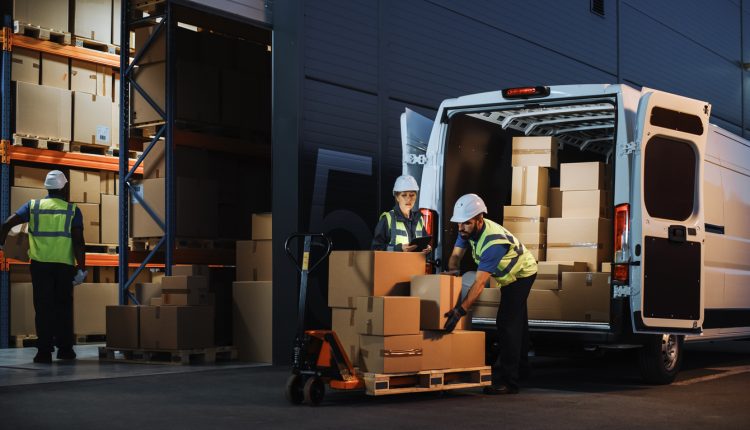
<point x="726" y="372"/>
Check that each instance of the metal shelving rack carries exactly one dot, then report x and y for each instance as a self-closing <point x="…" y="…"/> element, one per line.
<point x="5" y="173"/>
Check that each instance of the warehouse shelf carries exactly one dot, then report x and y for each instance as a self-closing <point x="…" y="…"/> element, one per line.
<point x="92" y="260"/>
<point x="71" y="159"/>
<point x="70" y="51"/>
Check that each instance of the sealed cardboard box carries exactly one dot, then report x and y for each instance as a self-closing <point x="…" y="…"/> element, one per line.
<point x="22" y="309"/>
<point x="530" y="186"/>
<point x="151" y="77"/>
<point x="370" y="273"/>
<point x="391" y="354"/>
<point x="438" y="294"/>
<point x="525" y="219"/>
<point x="535" y="151"/>
<point x="191" y="270"/>
<point x="186" y="290"/>
<point x="84" y="186"/>
<point x="25" y="65"/>
<point x="109" y="183"/>
<point x="146" y="291"/>
<point x="58" y="110"/>
<point x="262" y="226"/>
<point x="585" y="297"/>
<point x="176" y="327"/>
<point x="387" y="316"/>
<point x="555" y="202"/>
<point x="49" y="14"/>
<point x="110" y="219"/>
<point x="90" y="303"/>
<point x="582" y="176"/>
<point x="549" y="273"/>
<point x="254" y="260"/>
<point x="436" y="350"/>
<point x="536" y="243"/>
<point x="17" y="243"/>
<point x="344" y="323"/>
<point x="467" y="349"/>
<point x="92" y="119"/>
<point x="91" y="227"/>
<point x="544" y="305"/>
<point x="253" y="321"/>
<point x="85" y="77"/>
<point x="19" y="196"/>
<point x="93" y="19"/>
<point x="55" y="71"/>
<point x="122" y="326"/>
<point x="30" y="177"/>
<point x="580" y="239"/>
<point x="606" y="267"/>
<point x="586" y="204"/>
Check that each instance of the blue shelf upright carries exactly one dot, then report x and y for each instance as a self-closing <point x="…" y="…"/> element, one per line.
<point x="5" y="173"/>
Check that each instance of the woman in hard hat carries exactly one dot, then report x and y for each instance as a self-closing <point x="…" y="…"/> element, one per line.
<point x="398" y="227"/>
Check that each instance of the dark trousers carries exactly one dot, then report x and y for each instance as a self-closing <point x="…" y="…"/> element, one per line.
<point x="53" y="304"/>
<point x="512" y="331"/>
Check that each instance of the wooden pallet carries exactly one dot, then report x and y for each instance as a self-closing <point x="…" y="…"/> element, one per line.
<point x="30" y="141"/>
<point x="428" y="380"/>
<point x="21" y="338"/>
<point x="41" y="33"/>
<point x="102" y="248"/>
<point x="163" y="356"/>
<point x="82" y="339"/>
<point x="115" y="152"/>
<point x="148" y="6"/>
<point x="87" y="148"/>
<point x="83" y="42"/>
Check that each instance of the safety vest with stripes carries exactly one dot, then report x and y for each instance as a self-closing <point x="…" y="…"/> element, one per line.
<point x="50" y="225"/>
<point x="517" y="262"/>
<point x="399" y="233"/>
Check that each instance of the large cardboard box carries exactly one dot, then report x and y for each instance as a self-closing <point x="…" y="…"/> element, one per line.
<point x="586" y="204"/>
<point x="530" y="186"/>
<point x="92" y="119"/>
<point x="262" y="226"/>
<point x="110" y="182"/>
<point x="19" y="196"/>
<point x="534" y="151"/>
<point x="252" y="315"/>
<point x="486" y="304"/>
<point x="585" y="297"/>
<point x="17" y="243"/>
<point x="122" y="326"/>
<point x="525" y="219"/>
<point x="186" y="290"/>
<point x="387" y="316"/>
<point x="344" y="323"/>
<point x="50" y="14"/>
<point x="84" y="186"/>
<point x="58" y="110"/>
<point x="582" y="176"/>
<point x="151" y="77"/>
<point x="254" y="260"/>
<point x="436" y="350"/>
<point x="438" y="294"/>
<point x="555" y="202"/>
<point x="146" y="291"/>
<point x="91" y="225"/>
<point x="30" y="177"/>
<point x="157" y="51"/>
<point x="110" y="219"/>
<point x="544" y="305"/>
<point x="91" y="78"/>
<point x="55" y="71"/>
<point x="549" y="273"/>
<point x="580" y="239"/>
<point x="22" y="309"/>
<point x="176" y="327"/>
<point x="93" y="19"/>
<point x="467" y="349"/>
<point x="25" y="65"/>
<point x="391" y="354"/>
<point x="90" y="303"/>
<point x="536" y="243"/>
<point x="370" y="273"/>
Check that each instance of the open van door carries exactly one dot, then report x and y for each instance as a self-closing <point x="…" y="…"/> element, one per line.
<point x="668" y="214"/>
<point x="415" y="134"/>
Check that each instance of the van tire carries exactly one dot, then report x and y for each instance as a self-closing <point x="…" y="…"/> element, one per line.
<point x="660" y="358"/>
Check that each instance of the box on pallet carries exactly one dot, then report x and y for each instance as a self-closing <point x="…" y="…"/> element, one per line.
<point x="530" y="186"/>
<point x="93" y="19"/>
<point x="387" y="316"/>
<point x="391" y="354"/>
<point x="525" y="219"/>
<point x="122" y="326"/>
<point x="55" y="71"/>
<point x="254" y="260"/>
<point x="19" y="196"/>
<point x="436" y="350"/>
<point x="91" y="78"/>
<point x="370" y="273"/>
<point x="579" y="239"/>
<point x="49" y="14"/>
<point x="26" y="65"/>
<point x="252" y="314"/>
<point x="91" y="225"/>
<point x="262" y="226"/>
<point x="438" y="294"/>
<point x="145" y="291"/>
<point x="534" y="151"/>
<point x="186" y="290"/>
<point x="343" y="322"/>
<point x="536" y="243"/>
<point x="58" y="111"/>
<point x="110" y="219"/>
<point x="22" y="313"/>
<point x="586" y="204"/>
<point x="176" y="327"/>
<point x="84" y="186"/>
<point x="549" y="273"/>
<point x="92" y="119"/>
<point x="90" y="303"/>
<point x="467" y="349"/>
<point x="582" y="176"/>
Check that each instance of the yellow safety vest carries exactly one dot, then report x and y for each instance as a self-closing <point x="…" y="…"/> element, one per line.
<point x="50" y="225"/>
<point x="399" y="235"/>
<point x="517" y="262"/>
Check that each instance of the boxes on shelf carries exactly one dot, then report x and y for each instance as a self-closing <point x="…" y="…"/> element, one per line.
<point x="525" y="219"/>
<point x="387" y="316"/>
<point x="84" y="186"/>
<point x="176" y="327"/>
<point x="262" y="226"/>
<point x="30" y="177"/>
<point x="157" y="51"/>
<point x="579" y="239"/>
<point x="549" y="273"/>
<point x="436" y="350"/>
<point x="110" y="219"/>
<point x="22" y="309"/>
<point x="49" y="14"/>
<point x="467" y="349"/>
<point x="530" y="186"/>
<point x="438" y="294"/>
<point x="122" y="324"/>
<point x="254" y="260"/>
<point x="555" y="202"/>
<point x="110" y="182"/>
<point x="186" y="290"/>
<point x="90" y="303"/>
<point x="93" y="20"/>
<point x="26" y="65"/>
<point x="535" y="151"/>
<point x="586" y="204"/>
<point x="252" y="315"/>
<point x="19" y="196"/>
<point x="582" y="176"/>
<point x="191" y="270"/>
<point x="344" y="323"/>
<point x="91" y="225"/>
<point x="58" y="110"/>
<point x="146" y="291"/>
<point x="151" y="78"/>
<point x="391" y="354"/>
<point x="91" y="78"/>
<point x="92" y="119"/>
<point x="536" y="243"/>
<point x="55" y="71"/>
<point x="17" y="243"/>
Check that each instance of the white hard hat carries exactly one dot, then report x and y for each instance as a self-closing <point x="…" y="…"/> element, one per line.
<point x="467" y="207"/>
<point x="405" y="183"/>
<point x="55" y="180"/>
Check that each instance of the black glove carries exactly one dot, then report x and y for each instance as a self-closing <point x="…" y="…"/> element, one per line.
<point x="454" y="316"/>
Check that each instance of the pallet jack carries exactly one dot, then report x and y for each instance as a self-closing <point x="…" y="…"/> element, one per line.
<point x="318" y="357"/>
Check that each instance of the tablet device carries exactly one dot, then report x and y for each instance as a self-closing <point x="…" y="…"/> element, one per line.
<point x="421" y="242"/>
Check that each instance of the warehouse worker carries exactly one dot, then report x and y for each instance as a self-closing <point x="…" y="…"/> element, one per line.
<point x="55" y="246"/>
<point x="501" y="256"/>
<point x="399" y="226"/>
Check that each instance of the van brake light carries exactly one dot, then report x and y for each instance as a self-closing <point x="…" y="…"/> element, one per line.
<point x="525" y="92"/>
<point x="622" y="249"/>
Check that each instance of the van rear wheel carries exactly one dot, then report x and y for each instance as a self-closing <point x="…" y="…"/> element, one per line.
<point x="660" y="358"/>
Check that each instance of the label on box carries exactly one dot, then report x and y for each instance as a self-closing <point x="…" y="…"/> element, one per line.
<point x="102" y="134"/>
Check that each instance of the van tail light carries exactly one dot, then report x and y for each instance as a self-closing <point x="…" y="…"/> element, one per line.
<point x="620" y="273"/>
<point x="622" y="248"/>
<point x="428" y="218"/>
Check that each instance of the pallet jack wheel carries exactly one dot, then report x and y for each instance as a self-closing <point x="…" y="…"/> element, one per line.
<point x="294" y="389"/>
<point x="314" y="391"/>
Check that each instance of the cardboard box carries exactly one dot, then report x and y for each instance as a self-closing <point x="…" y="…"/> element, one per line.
<point x="93" y="19"/>
<point x="391" y="354"/>
<point x="156" y="301"/>
<point x="20" y="273"/>
<point x="254" y="260"/>
<point x="110" y="219"/>
<point x="436" y="350"/>
<point x="530" y="186"/>
<point x="116" y="127"/>
<point x="486" y="304"/>
<point x="262" y="226"/>
<point x="438" y="294"/>
<point x="252" y="315"/>
<point x="90" y="303"/>
<point x="19" y="196"/>
<point x="158" y="50"/>
<point x="544" y="305"/>
<point x="91" y="225"/>
<point x="387" y="316"/>
<point x="535" y="151"/>
<point x="84" y="186"/>
<point x="107" y="274"/>
<point x="176" y="327"/>
<point x="55" y="71"/>
<point x="26" y="65"/>
<point x="606" y="267"/>
<point x="525" y="219"/>
<point x="91" y="78"/>
<point x="191" y="270"/>
<point x="586" y="297"/>
<point x="17" y="243"/>
<point x="58" y="110"/>
<point x="185" y="290"/>
<point x="549" y="273"/>
<point x="580" y="239"/>
<point x="151" y="77"/>
<point x="22" y="313"/>
<point x="586" y="204"/>
<point x="582" y="176"/>
<point x="536" y="243"/>
<point x="30" y="177"/>
<point x="92" y="119"/>
<point x="110" y="182"/>
<point x="146" y="291"/>
<point x="49" y="14"/>
<point x="344" y="323"/>
<point x="370" y="273"/>
<point x="467" y="349"/>
<point x="555" y="202"/>
<point x="122" y="323"/>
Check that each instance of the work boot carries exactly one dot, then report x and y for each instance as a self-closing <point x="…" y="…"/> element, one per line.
<point x="43" y="357"/>
<point x="66" y="354"/>
<point x="494" y="390"/>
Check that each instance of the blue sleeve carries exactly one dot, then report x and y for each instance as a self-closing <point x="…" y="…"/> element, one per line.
<point x="24" y="212"/>
<point x="461" y="242"/>
<point x="77" y="219"/>
<point x="492" y="256"/>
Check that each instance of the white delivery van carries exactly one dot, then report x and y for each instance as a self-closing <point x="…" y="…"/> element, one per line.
<point x="680" y="199"/>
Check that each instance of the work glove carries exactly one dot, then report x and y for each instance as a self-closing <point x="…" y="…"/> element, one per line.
<point x="454" y="316"/>
<point x="79" y="277"/>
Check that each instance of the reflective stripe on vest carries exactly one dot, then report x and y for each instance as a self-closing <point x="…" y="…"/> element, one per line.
<point x="399" y="234"/>
<point x="50" y="226"/>
<point x="517" y="262"/>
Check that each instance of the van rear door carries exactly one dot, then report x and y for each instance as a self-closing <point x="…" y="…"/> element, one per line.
<point x="668" y="223"/>
<point x="415" y="134"/>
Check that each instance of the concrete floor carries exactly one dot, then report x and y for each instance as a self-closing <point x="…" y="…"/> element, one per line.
<point x="711" y="392"/>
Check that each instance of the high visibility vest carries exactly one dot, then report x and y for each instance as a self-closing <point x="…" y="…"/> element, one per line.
<point x="517" y="262"/>
<point x="399" y="233"/>
<point x="50" y="225"/>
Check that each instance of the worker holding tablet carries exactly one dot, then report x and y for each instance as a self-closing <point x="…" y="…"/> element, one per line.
<point x="402" y="228"/>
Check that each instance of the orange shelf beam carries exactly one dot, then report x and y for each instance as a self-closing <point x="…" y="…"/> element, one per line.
<point x="70" y="51"/>
<point x="92" y="259"/>
<point x="74" y="159"/>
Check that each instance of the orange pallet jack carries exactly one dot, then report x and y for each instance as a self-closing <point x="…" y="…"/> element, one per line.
<point x="318" y="357"/>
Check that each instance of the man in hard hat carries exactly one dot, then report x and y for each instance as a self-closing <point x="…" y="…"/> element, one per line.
<point x="499" y="255"/>
<point x="56" y="249"/>
<point x="398" y="227"/>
